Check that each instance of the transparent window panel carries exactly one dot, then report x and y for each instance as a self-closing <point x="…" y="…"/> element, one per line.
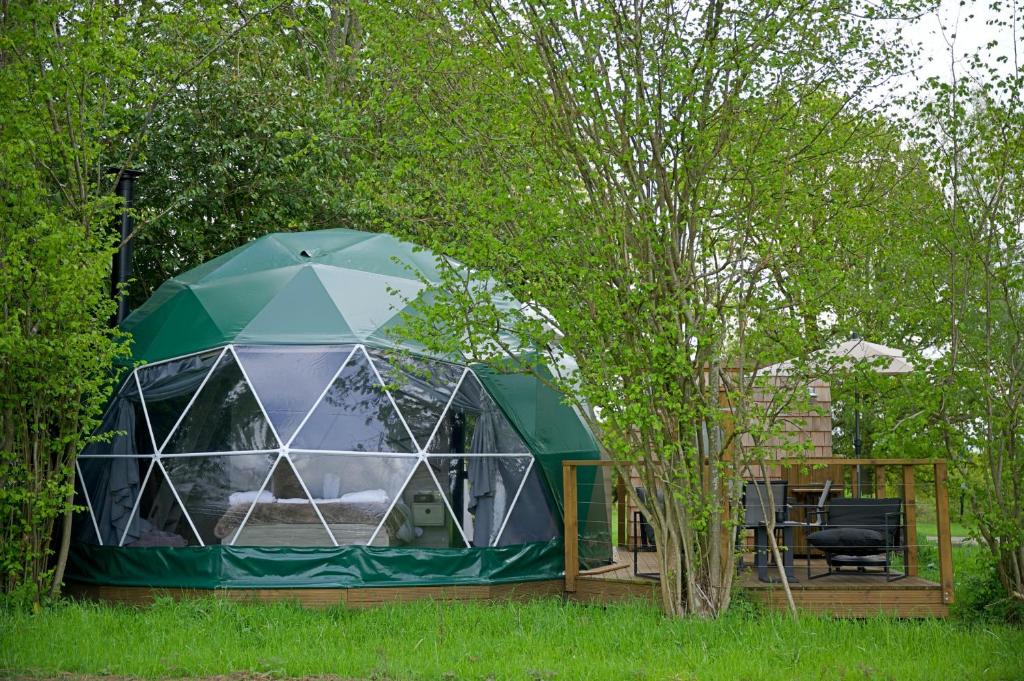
<point x="159" y="519"/>
<point x="482" y="489"/>
<point x="285" y="517"/>
<point x="355" y="415"/>
<point x="217" y="491"/>
<point x="113" y="485"/>
<point x="421" y="388"/>
<point x="420" y="517"/>
<point x="354" y="492"/>
<point x="474" y="424"/>
<point x="168" y="387"/>
<point x="288" y="380"/>
<point x="127" y="421"/>
<point x="225" y="416"/>
<point x="533" y="518"/>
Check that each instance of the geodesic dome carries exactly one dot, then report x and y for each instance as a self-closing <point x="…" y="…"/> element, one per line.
<point x="276" y="433"/>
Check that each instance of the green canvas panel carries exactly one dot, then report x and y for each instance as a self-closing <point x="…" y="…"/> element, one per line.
<point x="387" y="337"/>
<point x="233" y="312"/>
<point x="183" y="327"/>
<point x="302" y="312"/>
<point x="322" y="242"/>
<point x="555" y="433"/>
<point x="343" y="567"/>
<point x="196" y="274"/>
<point x="399" y="259"/>
<point x="261" y="256"/>
<point x="366" y="300"/>
<point x="245" y="297"/>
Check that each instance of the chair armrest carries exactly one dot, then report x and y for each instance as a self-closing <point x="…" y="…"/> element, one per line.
<point x="815" y="517"/>
<point x="893" y="529"/>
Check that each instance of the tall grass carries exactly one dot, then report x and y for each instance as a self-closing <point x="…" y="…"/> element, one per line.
<point x="538" y="640"/>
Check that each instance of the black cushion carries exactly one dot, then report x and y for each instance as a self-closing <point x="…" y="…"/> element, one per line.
<point x="864" y="513"/>
<point x="852" y="541"/>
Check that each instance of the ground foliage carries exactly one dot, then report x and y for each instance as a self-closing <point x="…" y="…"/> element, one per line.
<point x="538" y="640"/>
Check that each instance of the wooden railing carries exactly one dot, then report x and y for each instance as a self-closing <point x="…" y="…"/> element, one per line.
<point x="908" y="493"/>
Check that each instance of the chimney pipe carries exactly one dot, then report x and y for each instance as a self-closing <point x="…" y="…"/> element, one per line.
<point x="122" y="266"/>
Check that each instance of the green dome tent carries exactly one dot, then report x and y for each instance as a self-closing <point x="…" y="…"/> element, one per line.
<point x="275" y="432"/>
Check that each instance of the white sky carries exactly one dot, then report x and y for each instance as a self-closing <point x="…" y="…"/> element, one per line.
<point x="966" y="27"/>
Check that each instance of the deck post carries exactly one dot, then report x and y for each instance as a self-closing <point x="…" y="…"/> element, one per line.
<point x="621" y="512"/>
<point x="879" y="482"/>
<point x="945" y="541"/>
<point x="910" y="509"/>
<point x="572" y="535"/>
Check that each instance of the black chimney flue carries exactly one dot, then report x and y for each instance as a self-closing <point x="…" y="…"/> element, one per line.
<point x="122" y="268"/>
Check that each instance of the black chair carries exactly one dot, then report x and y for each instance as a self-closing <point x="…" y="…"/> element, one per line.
<point x="643" y="536"/>
<point x="755" y="510"/>
<point x="860" y="533"/>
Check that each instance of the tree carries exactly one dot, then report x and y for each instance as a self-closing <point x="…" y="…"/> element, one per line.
<point x="626" y="171"/>
<point x="973" y="129"/>
<point x="264" y="138"/>
<point x="79" y="84"/>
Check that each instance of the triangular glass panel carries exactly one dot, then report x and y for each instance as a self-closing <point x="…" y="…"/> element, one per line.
<point x="127" y="421"/>
<point x="354" y="492"/>
<point x="420" y="387"/>
<point x="283" y="515"/>
<point x="289" y="379"/>
<point x="474" y="424"/>
<point x="167" y="388"/>
<point x="355" y="415"/>
<point x="217" y="491"/>
<point x="482" y="489"/>
<point x="159" y="519"/>
<point x="420" y="517"/>
<point x="225" y="416"/>
<point x="113" y="485"/>
<point x="533" y="517"/>
<point x="83" y="530"/>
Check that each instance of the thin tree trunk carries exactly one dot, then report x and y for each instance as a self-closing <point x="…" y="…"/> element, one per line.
<point x="65" y="545"/>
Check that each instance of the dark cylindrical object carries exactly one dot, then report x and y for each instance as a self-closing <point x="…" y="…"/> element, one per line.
<point x="122" y="267"/>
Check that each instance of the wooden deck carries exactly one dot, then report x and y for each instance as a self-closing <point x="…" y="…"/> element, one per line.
<point x="846" y="595"/>
<point x="323" y="598"/>
<point x="849" y="595"/>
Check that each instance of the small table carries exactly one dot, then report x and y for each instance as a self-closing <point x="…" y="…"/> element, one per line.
<point x="761" y="550"/>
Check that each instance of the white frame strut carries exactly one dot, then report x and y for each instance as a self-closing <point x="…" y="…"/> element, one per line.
<point x="252" y="389"/>
<point x="192" y="401"/>
<point x="515" y="500"/>
<point x="174" y="491"/>
<point x="138" y="499"/>
<point x="88" y="503"/>
<point x="327" y="388"/>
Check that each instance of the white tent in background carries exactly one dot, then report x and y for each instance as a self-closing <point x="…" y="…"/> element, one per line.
<point x="845" y="355"/>
<point x="884" y="360"/>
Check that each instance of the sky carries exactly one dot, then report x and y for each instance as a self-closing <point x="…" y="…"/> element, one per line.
<point x="963" y="27"/>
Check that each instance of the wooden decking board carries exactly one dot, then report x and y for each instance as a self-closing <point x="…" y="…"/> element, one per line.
<point x="846" y="594"/>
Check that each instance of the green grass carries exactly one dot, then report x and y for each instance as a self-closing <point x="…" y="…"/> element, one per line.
<point x="538" y="640"/>
<point x="930" y="529"/>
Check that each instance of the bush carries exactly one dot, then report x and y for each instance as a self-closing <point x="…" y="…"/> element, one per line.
<point x="979" y="593"/>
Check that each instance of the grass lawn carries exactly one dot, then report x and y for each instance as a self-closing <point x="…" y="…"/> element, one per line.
<point x="538" y="640"/>
<point x="930" y="529"/>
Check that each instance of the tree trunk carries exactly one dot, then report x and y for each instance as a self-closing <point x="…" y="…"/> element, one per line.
<point x="65" y="545"/>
